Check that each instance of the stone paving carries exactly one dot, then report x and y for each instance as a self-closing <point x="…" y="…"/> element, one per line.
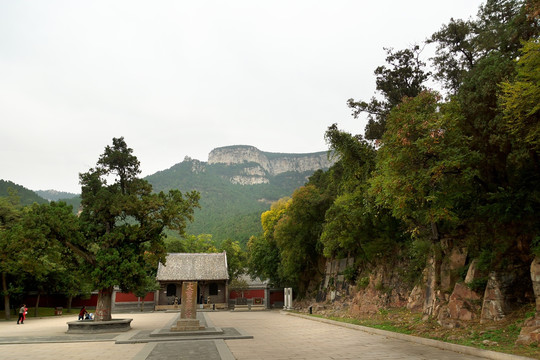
<point x="275" y="336"/>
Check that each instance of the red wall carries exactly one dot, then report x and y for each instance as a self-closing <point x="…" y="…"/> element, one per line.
<point x="248" y="294"/>
<point x="79" y="302"/>
<point x="276" y="296"/>
<point x="130" y="297"/>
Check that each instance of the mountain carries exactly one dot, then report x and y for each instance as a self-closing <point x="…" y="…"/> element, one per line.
<point x="26" y="197"/>
<point x="53" y="195"/>
<point x="237" y="184"/>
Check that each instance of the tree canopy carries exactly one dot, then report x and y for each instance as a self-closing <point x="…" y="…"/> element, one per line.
<point x="123" y="223"/>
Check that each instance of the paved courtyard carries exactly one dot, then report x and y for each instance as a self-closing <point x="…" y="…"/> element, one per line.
<point x="275" y="336"/>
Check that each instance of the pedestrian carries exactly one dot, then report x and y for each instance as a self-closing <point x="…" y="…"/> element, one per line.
<point x="82" y="313"/>
<point x="22" y="314"/>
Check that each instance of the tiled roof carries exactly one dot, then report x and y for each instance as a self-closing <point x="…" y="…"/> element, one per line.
<point x="253" y="282"/>
<point x="181" y="266"/>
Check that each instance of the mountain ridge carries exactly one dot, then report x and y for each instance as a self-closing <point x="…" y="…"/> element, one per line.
<point x="237" y="184"/>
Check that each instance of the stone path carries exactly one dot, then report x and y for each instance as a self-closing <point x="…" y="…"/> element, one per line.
<point x="275" y="336"/>
<point x="278" y="337"/>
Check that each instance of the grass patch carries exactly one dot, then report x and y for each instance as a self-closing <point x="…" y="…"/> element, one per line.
<point x="42" y="312"/>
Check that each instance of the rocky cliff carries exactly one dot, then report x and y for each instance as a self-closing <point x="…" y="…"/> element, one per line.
<point x="261" y="165"/>
<point x="272" y="163"/>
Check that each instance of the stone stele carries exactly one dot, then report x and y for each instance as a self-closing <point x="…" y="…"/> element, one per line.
<point x="188" y="309"/>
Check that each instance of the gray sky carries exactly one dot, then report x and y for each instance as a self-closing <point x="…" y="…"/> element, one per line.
<point x="180" y="78"/>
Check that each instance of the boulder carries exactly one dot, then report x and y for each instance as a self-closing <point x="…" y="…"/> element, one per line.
<point x="505" y="292"/>
<point x="473" y="273"/>
<point x="464" y="304"/>
<point x="530" y="332"/>
<point x="416" y="299"/>
<point x="454" y="259"/>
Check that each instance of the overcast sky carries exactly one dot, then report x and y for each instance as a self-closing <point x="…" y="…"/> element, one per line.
<point x="180" y="78"/>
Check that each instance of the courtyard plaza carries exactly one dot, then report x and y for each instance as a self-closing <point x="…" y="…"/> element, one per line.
<point x="275" y="335"/>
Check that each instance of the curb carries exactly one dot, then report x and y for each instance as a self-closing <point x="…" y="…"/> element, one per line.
<point x="468" y="350"/>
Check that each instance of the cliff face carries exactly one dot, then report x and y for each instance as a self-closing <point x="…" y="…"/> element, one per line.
<point x="266" y="164"/>
<point x="272" y="163"/>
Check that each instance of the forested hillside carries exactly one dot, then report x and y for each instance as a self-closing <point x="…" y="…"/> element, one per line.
<point x="227" y="210"/>
<point x="436" y="206"/>
<point x="53" y="195"/>
<point x="26" y="197"/>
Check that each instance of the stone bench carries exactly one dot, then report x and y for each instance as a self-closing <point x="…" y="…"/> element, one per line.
<point x="95" y="327"/>
<point x="249" y="307"/>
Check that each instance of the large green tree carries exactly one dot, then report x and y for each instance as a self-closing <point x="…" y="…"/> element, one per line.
<point x="264" y="256"/>
<point x="520" y="102"/>
<point x="10" y="248"/>
<point x="123" y="223"/>
<point x="422" y="167"/>
<point x="297" y="235"/>
<point x="403" y="76"/>
<point x="46" y="228"/>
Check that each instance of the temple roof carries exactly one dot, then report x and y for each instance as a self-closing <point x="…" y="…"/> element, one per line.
<point x="196" y="267"/>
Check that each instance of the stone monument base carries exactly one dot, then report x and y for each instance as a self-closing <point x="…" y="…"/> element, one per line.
<point x="91" y="326"/>
<point x="187" y="325"/>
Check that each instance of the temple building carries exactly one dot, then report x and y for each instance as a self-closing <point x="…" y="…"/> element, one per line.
<point x="209" y="270"/>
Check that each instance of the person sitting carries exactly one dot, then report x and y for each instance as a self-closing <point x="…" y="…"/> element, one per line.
<point x="82" y="313"/>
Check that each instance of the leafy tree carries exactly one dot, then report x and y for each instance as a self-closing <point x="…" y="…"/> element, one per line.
<point x="405" y="76"/>
<point x="46" y="228"/>
<point x="264" y="257"/>
<point x="143" y="288"/>
<point x="499" y="27"/>
<point x="202" y="243"/>
<point x="10" y="248"/>
<point x="354" y="225"/>
<point x="504" y="182"/>
<point x="297" y="235"/>
<point x="422" y="164"/>
<point x="520" y="101"/>
<point x="123" y="223"/>
<point x="236" y="257"/>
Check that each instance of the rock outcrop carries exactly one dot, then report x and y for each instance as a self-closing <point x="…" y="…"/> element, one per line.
<point x="272" y="163"/>
<point x="530" y="332"/>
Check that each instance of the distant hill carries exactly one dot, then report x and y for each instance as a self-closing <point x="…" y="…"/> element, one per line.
<point x="26" y="196"/>
<point x="237" y="184"/>
<point x="53" y="195"/>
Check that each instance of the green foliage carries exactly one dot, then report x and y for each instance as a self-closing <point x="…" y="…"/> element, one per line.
<point x="297" y="234"/>
<point x="263" y="259"/>
<point x="478" y="285"/>
<point x="422" y="160"/>
<point x="25" y="196"/>
<point x="227" y="211"/>
<point x="520" y="100"/>
<point x="350" y="274"/>
<point x="236" y="258"/>
<point x="363" y="282"/>
<point x="404" y="77"/>
<point x="124" y="221"/>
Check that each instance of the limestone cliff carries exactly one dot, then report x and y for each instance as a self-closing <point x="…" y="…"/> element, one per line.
<point x="262" y="165"/>
<point x="272" y="163"/>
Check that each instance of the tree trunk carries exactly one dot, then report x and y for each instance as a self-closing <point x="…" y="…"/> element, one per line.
<point x="6" y="297"/>
<point x="36" y="310"/>
<point x="104" y="304"/>
<point x="70" y="299"/>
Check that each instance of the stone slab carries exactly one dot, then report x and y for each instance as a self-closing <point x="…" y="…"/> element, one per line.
<point x="96" y="327"/>
<point x="206" y="331"/>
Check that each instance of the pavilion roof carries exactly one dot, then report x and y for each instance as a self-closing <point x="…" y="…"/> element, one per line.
<point x="194" y="266"/>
